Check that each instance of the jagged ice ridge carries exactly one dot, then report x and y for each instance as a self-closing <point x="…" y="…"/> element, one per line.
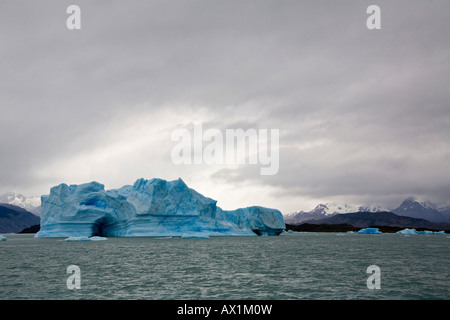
<point x="153" y="207"/>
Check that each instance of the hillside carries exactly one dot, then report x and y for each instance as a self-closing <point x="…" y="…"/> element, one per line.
<point x="367" y="219"/>
<point x="14" y="219"/>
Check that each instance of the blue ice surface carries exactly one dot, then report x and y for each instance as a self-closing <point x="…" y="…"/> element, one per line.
<point x="407" y="231"/>
<point x="3" y="238"/>
<point x="148" y="208"/>
<point x="370" y="231"/>
<point x="413" y="231"/>
<point x="431" y="232"/>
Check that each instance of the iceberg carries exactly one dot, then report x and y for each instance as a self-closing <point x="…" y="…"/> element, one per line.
<point x="431" y="232"/>
<point x="84" y="238"/>
<point x="370" y="231"/>
<point x="413" y="231"/>
<point x="148" y="208"/>
<point x="2" y="238"/>
<point x="407" y="231"/>
<point x="72" y="238"/>
<point x="97" y="238"/>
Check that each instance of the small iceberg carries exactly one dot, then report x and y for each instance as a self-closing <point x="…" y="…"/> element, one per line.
<point x="71" y="238"/>
<point x="2" y="238"/>
<point x="94" y="238"/>
<point x="431" y="232"/>
<point x="97" y="238"/>
<point x="370" y="231"/>
<point x="413" y="231"/>
<point x="407" y="231"/>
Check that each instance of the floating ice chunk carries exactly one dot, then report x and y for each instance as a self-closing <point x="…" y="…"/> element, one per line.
<point x="2" y="238"/>
<point x="84" y="238"/>
<point x="407" y="231"/>
<point x="413" y="231"/>
<point x="72" y="238"/>
<point x="370" y="231"/>
<point x="431" y="232"/>
<point x="97" y="238"/>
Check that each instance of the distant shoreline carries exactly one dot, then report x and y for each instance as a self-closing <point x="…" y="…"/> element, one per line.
<point x="309" y="227"/>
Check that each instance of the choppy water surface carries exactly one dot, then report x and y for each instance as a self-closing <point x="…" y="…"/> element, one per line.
<point x="290" y="266"/>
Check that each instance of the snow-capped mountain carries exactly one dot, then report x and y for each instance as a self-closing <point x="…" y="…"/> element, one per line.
<point x="410" y="207"/>
<point x="319" y="212"/>
<point x="333" y="208"/>
<point x="31" y="204"/>
<point x="422" y="209"/>
<point x="372" y="208"/>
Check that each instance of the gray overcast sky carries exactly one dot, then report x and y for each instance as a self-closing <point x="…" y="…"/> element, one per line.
<point x="364" y="115"/>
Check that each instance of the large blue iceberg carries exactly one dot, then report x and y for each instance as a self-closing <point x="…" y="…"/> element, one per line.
<point x="150" y="208"/>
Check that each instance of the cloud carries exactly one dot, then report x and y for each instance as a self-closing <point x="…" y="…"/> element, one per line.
<point x="363" y="115"/>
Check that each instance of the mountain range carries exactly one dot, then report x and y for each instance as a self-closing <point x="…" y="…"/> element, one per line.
<point x="423" y="210"/>
<point x="410" y="207"/>
<point x="14" y="219"/>
<point x="370" y="219"/>
<point x="31" y="204"/>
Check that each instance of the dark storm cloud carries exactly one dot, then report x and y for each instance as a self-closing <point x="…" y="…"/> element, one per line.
<point x="360" y="112"/>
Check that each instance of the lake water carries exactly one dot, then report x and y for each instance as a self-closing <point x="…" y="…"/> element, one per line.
<point x="290" y="266"/>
